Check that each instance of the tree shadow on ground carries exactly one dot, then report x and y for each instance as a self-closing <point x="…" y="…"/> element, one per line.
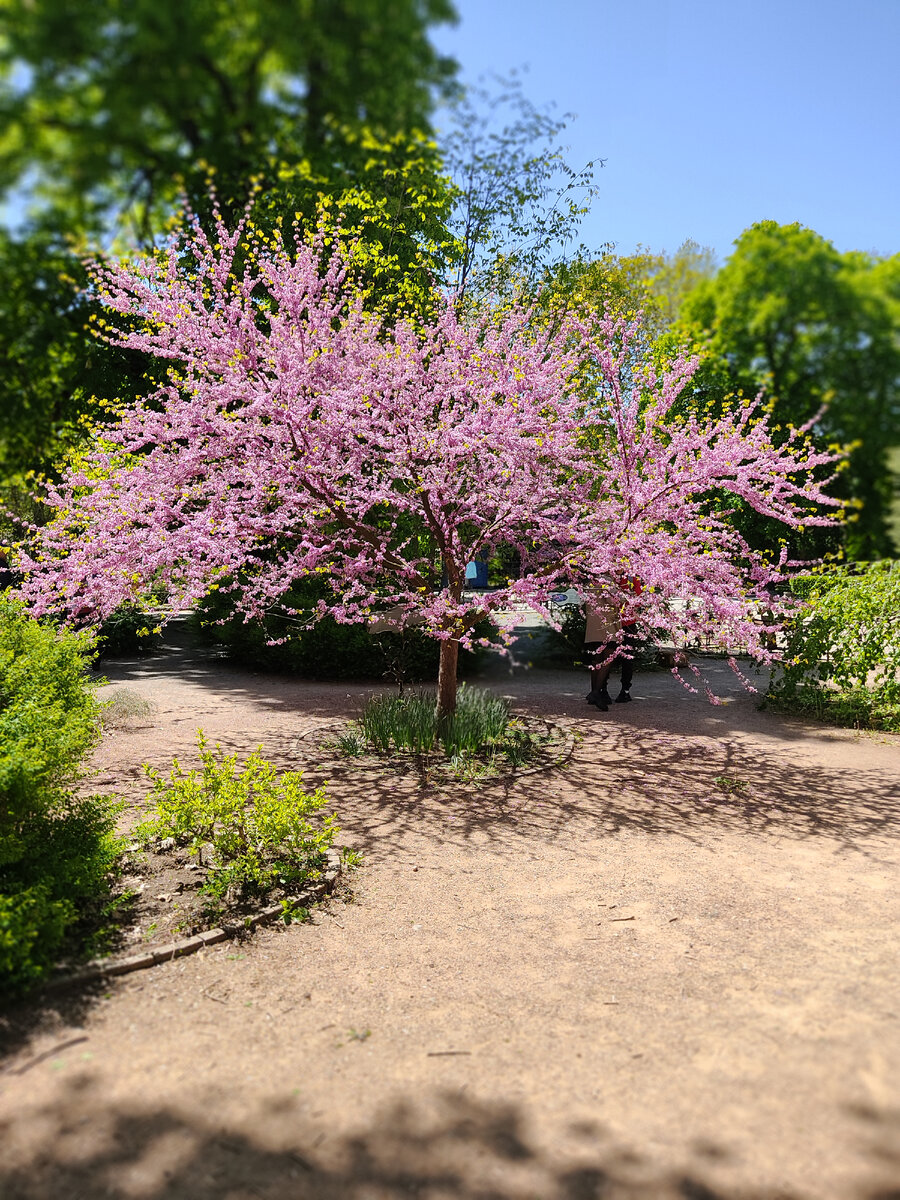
<point x="622" y="778"/>
<point x="442" y="1147"/>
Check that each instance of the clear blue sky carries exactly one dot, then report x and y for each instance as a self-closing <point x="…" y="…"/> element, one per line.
<point x="712" y="114"/>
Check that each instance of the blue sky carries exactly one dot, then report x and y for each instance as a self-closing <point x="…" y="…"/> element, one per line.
<point x="712" y="114"/>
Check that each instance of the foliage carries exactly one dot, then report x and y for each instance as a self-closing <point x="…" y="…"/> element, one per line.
<point x="55" y="896"/>
<point x="52" y="370"/>
<point x="48" y="718"/>
<point x="128" y="630"/>
<point x="380" y="458"/>
<point x="842" y="655"/>
<point x="251" y="829"/>
<point x="857" y="708"/>
<point x="409" y="723"/>
<point x="652" y="285"/>
<point x="388" y="205"/>
<point x="289" y="639"/>
<point x="518" y="202"/>
<point x="814" y="327"/>
<point x="107" y="116"/>
<point x="325" y="649"/>
<point x="57" y="851"/>
<point x="103" y="112"/>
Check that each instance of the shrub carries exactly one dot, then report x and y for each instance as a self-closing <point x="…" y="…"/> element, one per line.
<point x="327" y="649"/>
<point x="251" y="829"/>
<point x="57" y="851"/>
<point x="129" y="630"/>
<point x="842" y="653"/>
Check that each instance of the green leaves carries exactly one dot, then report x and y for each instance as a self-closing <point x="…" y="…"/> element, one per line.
<point x="251" y="828"/>
<point x="106" y="111"/>
<point x="57" y="851"/>
<point x="48" y="718"/>
<point x="843" y="649"/>
<point x="814" y="327"/>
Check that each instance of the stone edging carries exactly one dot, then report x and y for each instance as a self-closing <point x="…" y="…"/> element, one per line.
<point x="104" y="968"/>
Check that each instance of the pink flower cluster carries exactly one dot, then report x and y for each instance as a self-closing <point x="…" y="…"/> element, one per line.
<point x="298" y="434"/>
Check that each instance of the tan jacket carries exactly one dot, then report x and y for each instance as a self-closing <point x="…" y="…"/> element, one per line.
<point x="603" y="622"/>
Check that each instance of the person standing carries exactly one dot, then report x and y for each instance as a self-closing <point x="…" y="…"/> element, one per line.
<point x="609" y="638"/>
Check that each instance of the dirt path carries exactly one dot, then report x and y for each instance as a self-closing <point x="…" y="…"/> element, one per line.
<point x="610" y="982"/>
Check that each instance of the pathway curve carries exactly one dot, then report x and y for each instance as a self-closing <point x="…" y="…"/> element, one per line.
<point x="612" y="982"/>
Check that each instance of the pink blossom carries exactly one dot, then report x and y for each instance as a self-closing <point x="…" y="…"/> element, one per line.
<point x="298" y="434"/>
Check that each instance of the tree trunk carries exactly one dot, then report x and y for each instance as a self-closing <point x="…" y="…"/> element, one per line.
<point x="446" y="700"/>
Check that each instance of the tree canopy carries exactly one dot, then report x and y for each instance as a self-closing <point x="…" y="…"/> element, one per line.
<point x="298" y="434"/>
<point x="103" y="107"/>
<point x="814" y="328"/>
<point x="108" y="111"/>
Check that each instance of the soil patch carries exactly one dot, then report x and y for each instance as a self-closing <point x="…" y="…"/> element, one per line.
<point x="665" y="970"/>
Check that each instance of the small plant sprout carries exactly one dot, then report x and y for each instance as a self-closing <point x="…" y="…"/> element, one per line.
<point x="726" y="783"/>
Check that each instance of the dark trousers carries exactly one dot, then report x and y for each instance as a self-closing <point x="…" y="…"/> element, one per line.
<point x="598" y="652"/>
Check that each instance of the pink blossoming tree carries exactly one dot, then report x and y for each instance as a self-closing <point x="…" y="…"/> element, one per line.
<point x="300" y="435"/>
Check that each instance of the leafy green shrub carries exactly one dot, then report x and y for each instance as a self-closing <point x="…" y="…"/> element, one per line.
<point x="842" y="656"/>
<point x="251" y="829"/>
<point x="57" y="851"/>
<point x="409" y="723"/>
<point x="130" y="630"/>
<point x="53" y="899"/>
<point x="856" y="708"/>
<point x="327" y="649"/>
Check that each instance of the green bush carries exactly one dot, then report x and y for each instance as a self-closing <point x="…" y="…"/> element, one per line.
<point x="842" y="655"/>
<point x="130" y="630"/>
<point x="250" y="829"/>
<point x="57" y="851"/>
<point x="326" y="650"/>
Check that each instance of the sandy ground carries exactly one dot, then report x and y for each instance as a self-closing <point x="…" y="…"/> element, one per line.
<point x="611" y="981"/>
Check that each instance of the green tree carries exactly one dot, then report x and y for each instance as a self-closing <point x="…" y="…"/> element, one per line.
<point x="104" y="106"/>
<point x="814" y="327"/>
<point x="52" y="372"/>
<point x="655" y="285"/>
<point x="108" y="110"/>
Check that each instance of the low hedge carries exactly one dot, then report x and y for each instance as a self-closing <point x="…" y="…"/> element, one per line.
<point x="842" y="654"/>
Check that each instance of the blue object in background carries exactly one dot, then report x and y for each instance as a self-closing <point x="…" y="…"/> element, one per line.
<point x="477" y="574"/>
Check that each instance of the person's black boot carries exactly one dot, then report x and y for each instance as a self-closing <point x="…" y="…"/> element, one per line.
<point x="624" y="697"/>
<point x="601" y="699"/>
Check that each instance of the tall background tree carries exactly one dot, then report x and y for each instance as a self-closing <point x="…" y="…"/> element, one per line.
<point x="105" y="105"/>
<point x="109" y="110"/>
<point x="813" y="327"/>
